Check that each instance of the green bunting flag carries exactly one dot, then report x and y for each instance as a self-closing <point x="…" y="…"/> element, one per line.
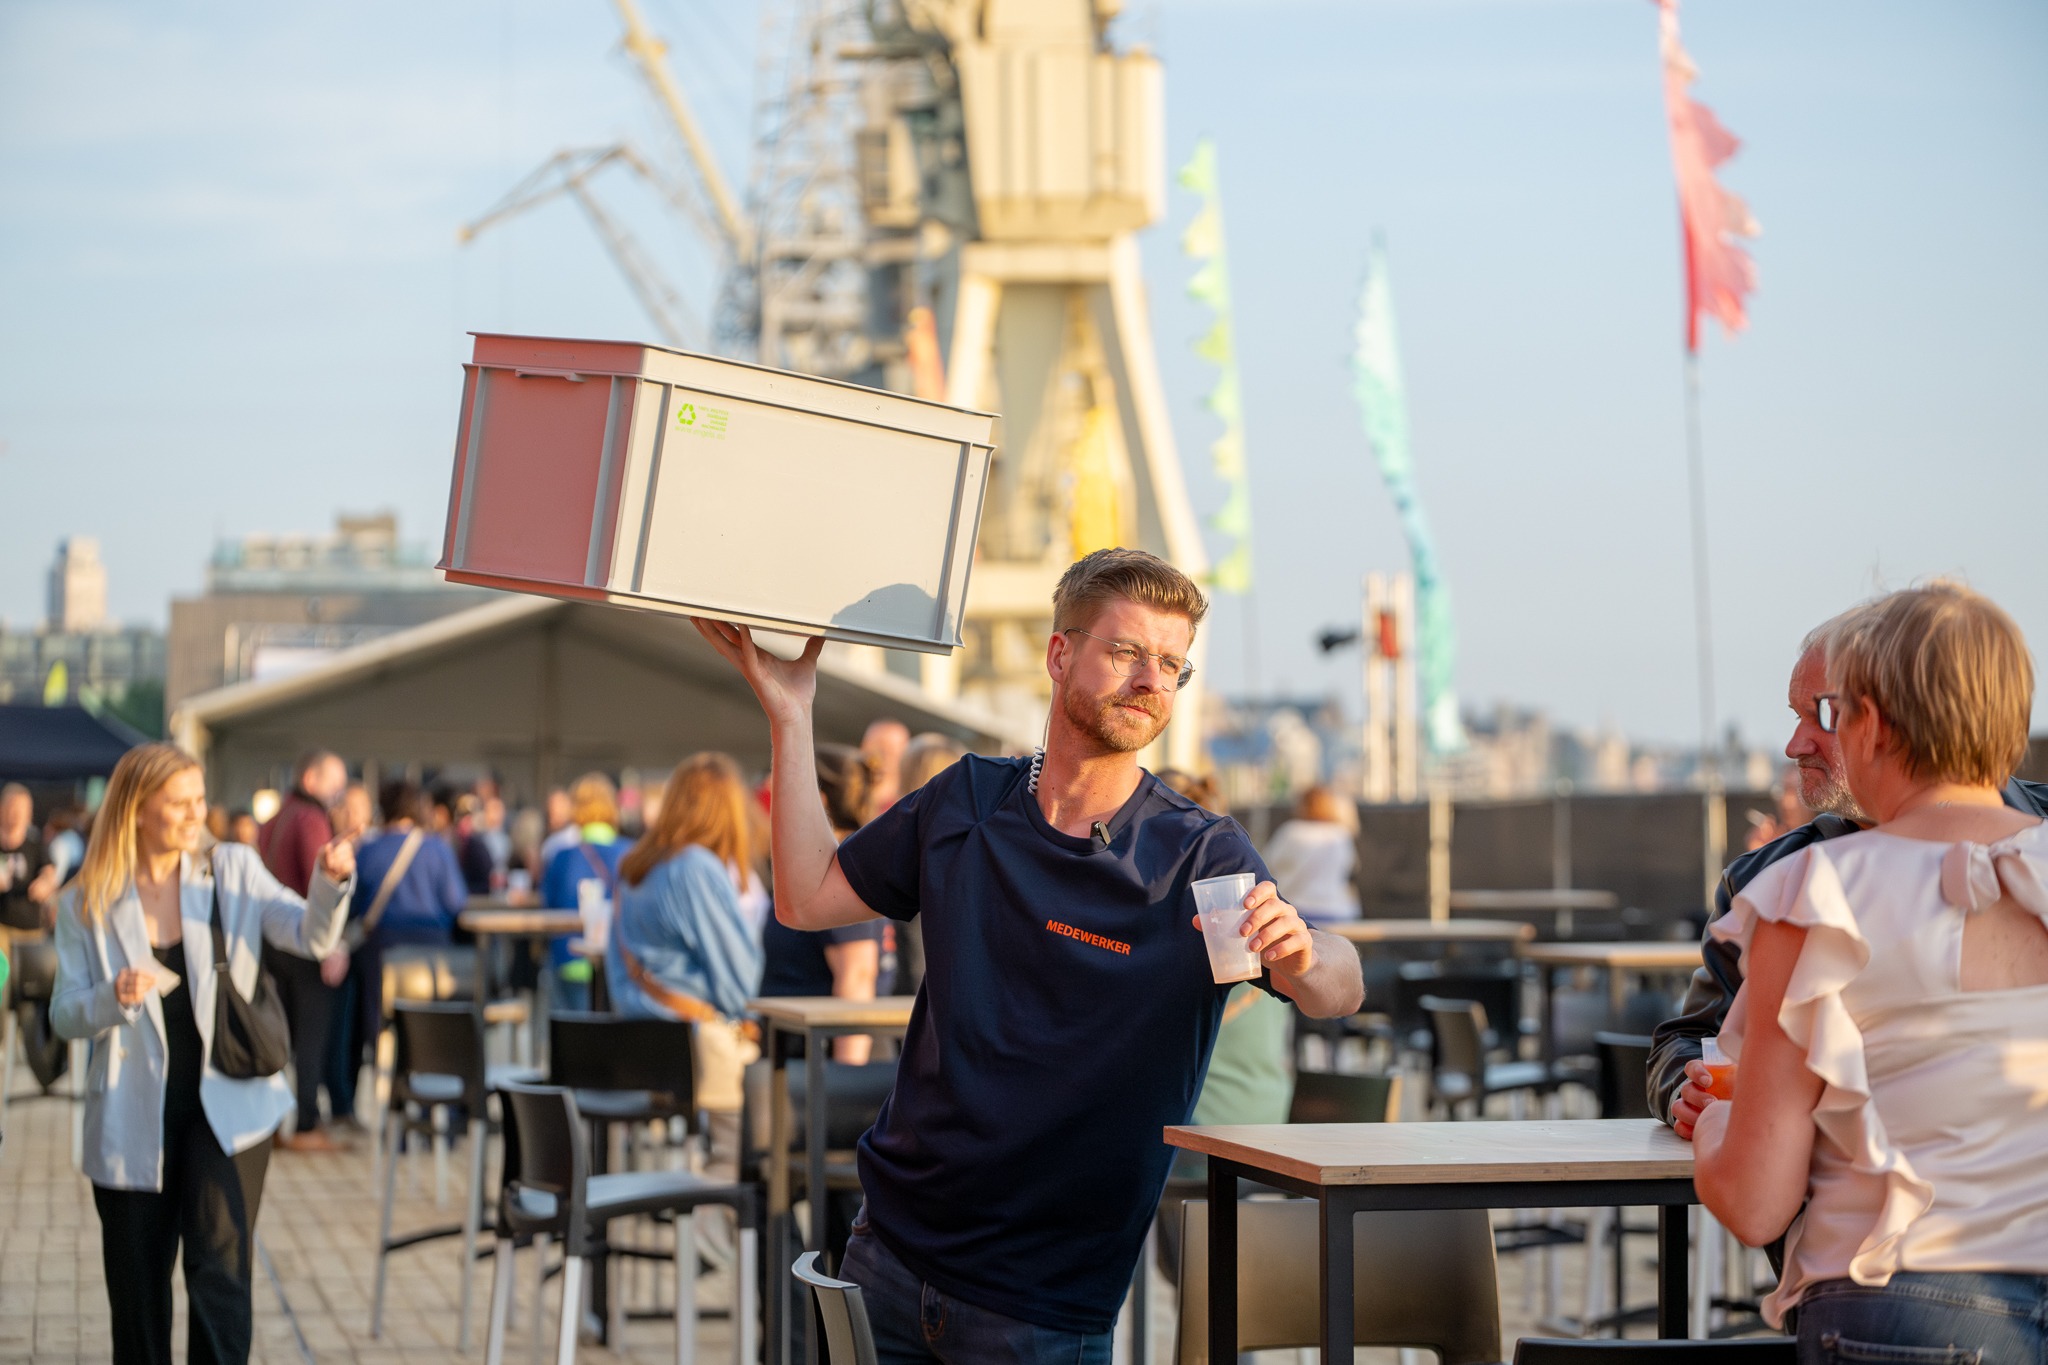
<point x="1203" y="242"/>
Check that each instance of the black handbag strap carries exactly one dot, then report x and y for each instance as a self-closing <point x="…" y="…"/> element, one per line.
<point x="220" y="939"/>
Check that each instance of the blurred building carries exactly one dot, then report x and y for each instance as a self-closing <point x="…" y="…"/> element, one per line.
<point x="77" y="656"/>
<point x="1515" y="752"/>
<point x="1267" y="751"/>
<point x="278" y="604"/>
<point x="78" y="586"/>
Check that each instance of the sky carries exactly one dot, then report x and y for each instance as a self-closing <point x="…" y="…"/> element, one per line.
<point x="232" y="299"/>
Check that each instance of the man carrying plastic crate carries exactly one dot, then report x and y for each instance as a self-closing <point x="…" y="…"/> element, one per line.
<point x="1068" y="1006"/>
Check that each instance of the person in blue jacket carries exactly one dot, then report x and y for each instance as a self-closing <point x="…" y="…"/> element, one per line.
<point x="426" y="893"/>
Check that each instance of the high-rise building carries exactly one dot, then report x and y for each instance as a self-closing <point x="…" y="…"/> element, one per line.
<point x="78" y="587"/>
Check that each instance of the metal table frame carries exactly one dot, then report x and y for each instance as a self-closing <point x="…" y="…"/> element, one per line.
<point x="813" y="1035"/>
<point x="1338" y="1205"/>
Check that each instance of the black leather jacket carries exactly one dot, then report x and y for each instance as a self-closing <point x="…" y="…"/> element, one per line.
<point x="1677" y="1041"/>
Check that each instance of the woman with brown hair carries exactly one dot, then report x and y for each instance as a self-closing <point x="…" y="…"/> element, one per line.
<point x="679" y="946"/>
<point x="175" y="1149"/>
<point x="1890" y="1110"/>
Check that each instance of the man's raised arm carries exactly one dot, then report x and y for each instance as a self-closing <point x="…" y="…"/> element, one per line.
<point x="810" y="890"/>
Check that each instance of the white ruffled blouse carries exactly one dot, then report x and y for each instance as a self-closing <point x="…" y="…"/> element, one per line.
<point x="1931" y="1149"/>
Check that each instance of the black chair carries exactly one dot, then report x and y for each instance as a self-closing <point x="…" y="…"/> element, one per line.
<point x="549" y="1193"/>
<point x="848" y="1339"/>
<point x="624" y="1070"/>
<point x="627" y="1071"/>
<point x="439" y="1073"/>
<point x="853" y="1097"/>
<point x="1624" y="1082"/>
<point x="1498" y="988"/>
<point x="1331" y="1097"/>
<point x="1749" y="1351"/>
<point x="1460" y="1072"/>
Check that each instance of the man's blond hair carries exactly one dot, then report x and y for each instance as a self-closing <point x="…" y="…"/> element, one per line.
<point x="1095" y="580"/>
<point x="1949" y="670"/>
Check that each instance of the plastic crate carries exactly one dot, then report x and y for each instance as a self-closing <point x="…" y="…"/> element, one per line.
<point x="621" y="472"/>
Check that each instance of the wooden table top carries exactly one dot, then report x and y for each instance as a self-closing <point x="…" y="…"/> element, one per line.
<point x="829" y="1011"/>
<point x="504" y="921"/>
<point x="1534" y="900"/>
<point x="506" y="900"/>
<point x="1449" y="1153"/>
<point x="1432" y="930"/>
<point x="1624" y="955"/>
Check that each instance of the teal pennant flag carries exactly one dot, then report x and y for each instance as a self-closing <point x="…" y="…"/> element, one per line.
<point x="1383" y="405"/>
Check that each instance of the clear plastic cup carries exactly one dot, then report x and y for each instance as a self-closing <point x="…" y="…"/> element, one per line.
<point x="1720" y="1066"/>
<point x="596" y="909"/>
<point x="1219" y="903"/>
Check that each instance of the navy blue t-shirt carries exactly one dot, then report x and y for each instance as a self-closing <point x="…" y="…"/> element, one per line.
<point x="1066" y="1016"/>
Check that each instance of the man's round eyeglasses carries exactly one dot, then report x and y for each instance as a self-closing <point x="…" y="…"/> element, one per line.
<point x="1128" y="657"/>
<point x="1827" y="711"/>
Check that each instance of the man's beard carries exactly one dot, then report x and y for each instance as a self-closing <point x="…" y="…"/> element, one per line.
<point x="1108" y="725"/>
<point x="1825" y="793"/>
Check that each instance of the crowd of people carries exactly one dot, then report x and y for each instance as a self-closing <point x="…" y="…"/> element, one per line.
<point x="1876" y="971"/>
<point x="330" y="900"/>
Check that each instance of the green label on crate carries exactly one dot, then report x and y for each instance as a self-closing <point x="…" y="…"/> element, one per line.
<point x="702" y="421"/>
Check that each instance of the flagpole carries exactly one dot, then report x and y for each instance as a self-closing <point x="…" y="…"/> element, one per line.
<point x="1702" y="604"/>
<point x="1713" y="808"/>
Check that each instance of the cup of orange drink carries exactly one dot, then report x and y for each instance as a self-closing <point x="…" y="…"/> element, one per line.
<point x="1721" y="1067"/>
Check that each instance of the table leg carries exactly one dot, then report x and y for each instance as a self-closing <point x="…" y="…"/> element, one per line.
<point x="814" y="1136"/>
<point x="600" y="1265"/>
<point x="814" y="1167"/>
<point x="778" y="1198"/>
<point x="1545" y="981"/>
<point x="1222" y="1260"/>
<point x="483" y="975"/>
<point x="1338" y="1222"/>
<point x="1671" y="1271"/>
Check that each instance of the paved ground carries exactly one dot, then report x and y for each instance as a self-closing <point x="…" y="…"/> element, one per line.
<point x="314" y="1278"/>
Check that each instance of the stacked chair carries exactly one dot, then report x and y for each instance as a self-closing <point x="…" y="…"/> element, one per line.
<point x="629" y="1074"/>
<point x="550" y="1194"/>
<point x="439" y="1079"/>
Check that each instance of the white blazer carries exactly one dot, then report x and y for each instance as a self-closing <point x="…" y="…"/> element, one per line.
<point x="124" y="1103"/>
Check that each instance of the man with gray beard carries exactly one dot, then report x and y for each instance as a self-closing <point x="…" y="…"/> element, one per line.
<point x="1678" y="1079"/>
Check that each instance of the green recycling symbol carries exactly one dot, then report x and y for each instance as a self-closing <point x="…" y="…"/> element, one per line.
<point x="686" y="415"/>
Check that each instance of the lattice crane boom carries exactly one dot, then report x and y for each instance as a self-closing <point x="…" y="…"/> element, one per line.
<point x="569" y="173"/>
<point x="649" y="54"/>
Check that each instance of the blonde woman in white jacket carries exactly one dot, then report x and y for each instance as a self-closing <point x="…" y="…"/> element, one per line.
<point x="176" y="1151"/>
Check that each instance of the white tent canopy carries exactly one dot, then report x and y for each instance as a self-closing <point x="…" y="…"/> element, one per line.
<point x="537" y="690"/>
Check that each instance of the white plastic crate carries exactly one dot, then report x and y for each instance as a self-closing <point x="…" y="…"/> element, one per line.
<point x="622" y="472"/>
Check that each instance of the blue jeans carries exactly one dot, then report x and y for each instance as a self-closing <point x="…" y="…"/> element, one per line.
<point x="1953" y="1318"/>
<point x="915" y="1324"/>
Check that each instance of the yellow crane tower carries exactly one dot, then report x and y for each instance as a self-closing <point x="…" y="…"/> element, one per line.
<point x="948" y="202"/>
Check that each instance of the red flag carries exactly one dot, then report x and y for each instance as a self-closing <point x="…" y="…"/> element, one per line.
<point x="1718" y="272"/>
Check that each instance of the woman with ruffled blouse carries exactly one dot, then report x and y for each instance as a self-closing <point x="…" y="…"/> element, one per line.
<point x="1890" y="1116"/>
